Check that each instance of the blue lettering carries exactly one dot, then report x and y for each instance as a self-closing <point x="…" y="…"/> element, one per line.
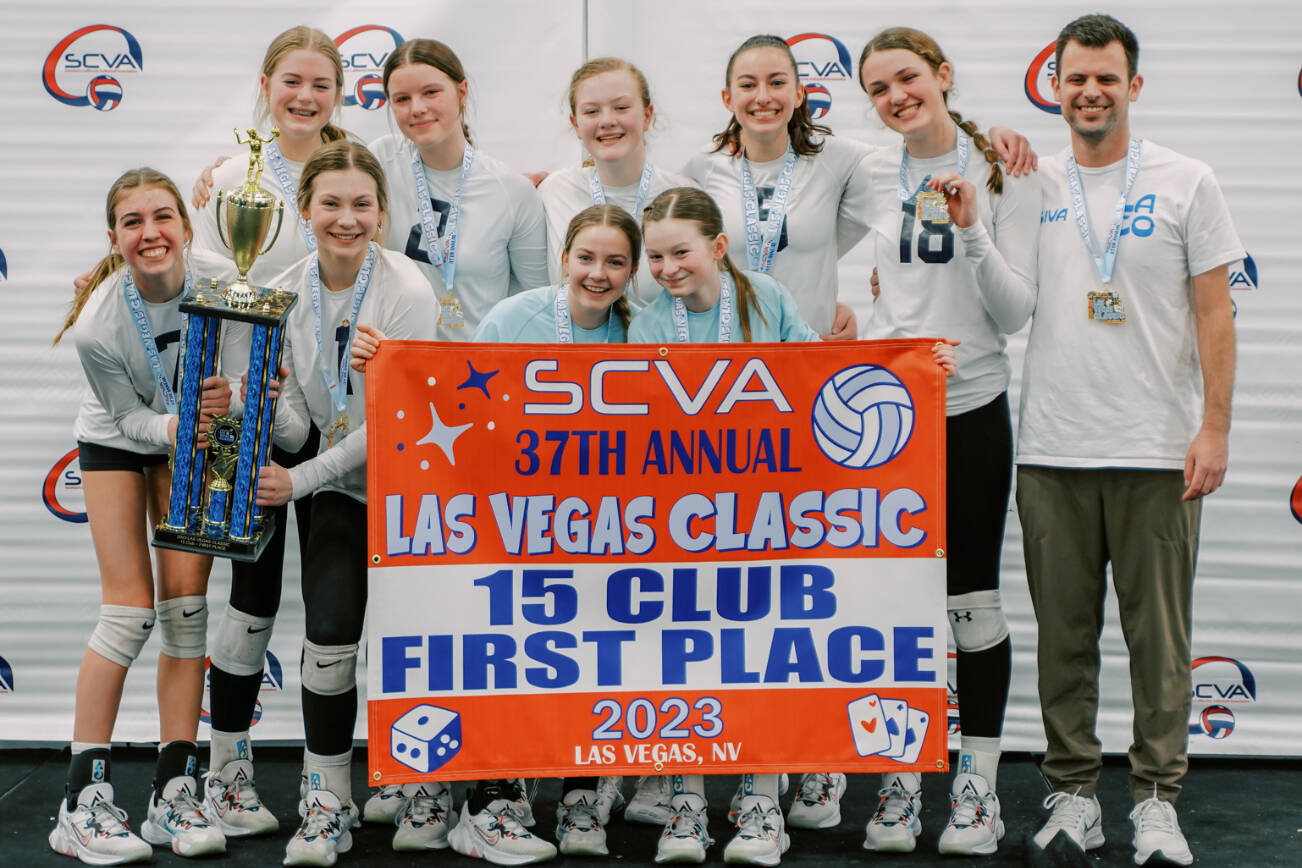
<point x="846" y="647"/>
<point x="484" y="651"/>
<point x="806" y="591"/>
<point x="610" y="644"/>
<point x="395" y="661"/>
<point x="619" y="595"/>
<point x="732" y="662"/>
<point x="759" y="587"/>
<point x="907" y="654"/>
<point x="680" y="647"/>
<point x="789" y="641"/>
<point x="539" y="646"/>
<point x="685" y="607"/>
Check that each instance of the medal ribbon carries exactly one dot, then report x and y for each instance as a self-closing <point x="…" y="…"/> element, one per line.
<point x="681" y="333"/>
<point x="564" y="326"/>
<point x="760" y="249"/>
<point x="1105" y="262"/>
<point x="289" y="187"/>
<point x="336" y="382"/>
<point x="964" y="148"/>
<point x="443" y="251"/>
<point x="598" y="193"/>
<point x="145" y="329"/>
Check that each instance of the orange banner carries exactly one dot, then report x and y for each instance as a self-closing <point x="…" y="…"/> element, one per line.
<point x="639" y="557"/>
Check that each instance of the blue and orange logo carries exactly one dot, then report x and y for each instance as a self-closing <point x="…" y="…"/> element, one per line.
<point x="273" y="679"/>
<point x="1295" y="501"/>
<point x="4" y="267"/>
<point x="820" y="58"/>
<point x="1222" y="682"/>
<point x="6" y="676"/>
<point x="364" y="50"/>
<point x="1039" y="88"/>
<point x="62" y="490"/>
<point x="82" y="69"/>
<point x="1243" y="274"/>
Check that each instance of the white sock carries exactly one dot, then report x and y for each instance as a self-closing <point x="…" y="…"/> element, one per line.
<point x="330" y="773"/>
<point x="978" y="756"/>
<point x="694" y="784"/>
<point x="760" y="785"/>
<point x="228" y="746"/>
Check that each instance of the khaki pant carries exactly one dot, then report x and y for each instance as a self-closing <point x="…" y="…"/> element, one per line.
<point x="1074" y="522"/>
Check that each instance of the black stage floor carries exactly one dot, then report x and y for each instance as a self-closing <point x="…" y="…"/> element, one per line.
<point x="1234" y="813"/>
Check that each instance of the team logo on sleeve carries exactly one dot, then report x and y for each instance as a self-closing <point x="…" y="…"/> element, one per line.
<point x="4" y="267"/>
<point x="6" y="676"/>
<point x="364" y="50"/>
<point x="862" y="417"/>
<point x="1039" y="89"/>
<point x="62" y="491"/>
<point x="1243" y="274"/>
<point x="85" y="67"/>
<point x="820" y="59"/>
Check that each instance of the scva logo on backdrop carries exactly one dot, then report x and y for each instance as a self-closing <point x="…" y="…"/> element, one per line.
<point x="820" y="58"/>
<point x="364" y="50"/>
<point x="1220" y="681"/>
<point x="1039" y="90"/>
<point x="273" y="679"/>
<point x="1295" y="501"/>
<point x="6" y="676"/>
<point x="82" y="69"/>
<point x="4" y="267"/>
<point x="62" y="491"/>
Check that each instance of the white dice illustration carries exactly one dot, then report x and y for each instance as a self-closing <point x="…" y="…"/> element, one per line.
<point x="426" y="737"/>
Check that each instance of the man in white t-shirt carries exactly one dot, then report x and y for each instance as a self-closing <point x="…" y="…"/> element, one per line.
<point x="1124" y="426"/>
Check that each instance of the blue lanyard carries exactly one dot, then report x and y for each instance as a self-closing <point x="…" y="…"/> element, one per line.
<point x="725" y="313"/>
<point x="442" y="251"/>
<point x="1106" y="261"/>
<point x="289" y="187"/>
<point x="760" y="249"/>
<point x="336" y="381"/>
<point x="598" y="193"/>
<point x="140" y="317"/>
<point x="963" y="146"/>
<point x="564" y="325"/>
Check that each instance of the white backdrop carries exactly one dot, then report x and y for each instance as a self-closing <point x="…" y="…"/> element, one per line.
<point x="1222" y="84"/>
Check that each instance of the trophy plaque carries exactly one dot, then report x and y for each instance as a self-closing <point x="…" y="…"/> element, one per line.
<point x="211" y="509"/>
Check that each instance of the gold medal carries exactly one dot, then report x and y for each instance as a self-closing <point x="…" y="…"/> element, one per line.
<point x="933" y="207"/>
<point x="1106" y="307"/>
<point x="450" y="312"/>
<point x="337" y="428"/>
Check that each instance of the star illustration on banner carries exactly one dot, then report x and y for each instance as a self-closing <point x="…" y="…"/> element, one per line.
<point x="477" y="380"/>
<point x="442" y="435"/>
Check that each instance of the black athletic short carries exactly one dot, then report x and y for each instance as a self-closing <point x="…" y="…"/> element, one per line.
<point x="92" y="456"/>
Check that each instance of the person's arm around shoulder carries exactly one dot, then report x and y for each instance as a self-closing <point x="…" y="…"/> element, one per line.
<point x="1208" y="455"/>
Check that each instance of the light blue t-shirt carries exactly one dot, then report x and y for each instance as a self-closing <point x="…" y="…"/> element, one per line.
<point x="530" y="318"/>
<point x="654" y="324"/>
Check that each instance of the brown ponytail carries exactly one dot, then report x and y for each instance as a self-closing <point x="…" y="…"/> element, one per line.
<point x="689" y="203"/>
<point x="312" y="39"/>
<point x="919" y="43"/>
<point x="125" y="183"/>
<point x="805" y="135"/>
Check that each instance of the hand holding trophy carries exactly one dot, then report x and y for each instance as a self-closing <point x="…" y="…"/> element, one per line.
<point x="221" y="518"/>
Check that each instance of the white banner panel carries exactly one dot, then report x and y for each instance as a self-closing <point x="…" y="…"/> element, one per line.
<point x="164" y="86"/>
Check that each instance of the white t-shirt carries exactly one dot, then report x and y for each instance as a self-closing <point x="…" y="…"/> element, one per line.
<point x="530" y="318"/>
<point x="826" y="216"/>
<point x="975" y="284"/>
<point x="1096" y="394"/>
<point x="567" y="192"/>
<point x="289" y="246"/>
<point x="502" y="236"/>
<point x="123" y="407"/>
<point x="398" y="303"/>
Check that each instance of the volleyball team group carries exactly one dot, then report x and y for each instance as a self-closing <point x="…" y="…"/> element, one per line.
<point x="1122" y="428"/>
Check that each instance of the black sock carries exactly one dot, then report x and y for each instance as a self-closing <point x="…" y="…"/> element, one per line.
<point x="577" y="784"/>
<point x="86" y="768"/>
<point x="983" y="678"/>
<point x="232" y="699"/>
<point x="175" y="759"/>
<point x="485" y="792"/>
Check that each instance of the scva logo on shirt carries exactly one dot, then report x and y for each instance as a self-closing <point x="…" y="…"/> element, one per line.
<point x="80" y="70"/>
<point x="1137" y="221"/>
<point x="1039" y="89"/>
<point x="364" y="50"/>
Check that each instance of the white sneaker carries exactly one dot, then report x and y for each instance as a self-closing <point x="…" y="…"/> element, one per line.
<point x="817" y="804"/>
<point x="232" y="801"/>
<point x="579" y="830"/>
<point x="974" y="826"/>
<point x="1158" y="835"/>
<point x="895" y="825"/>
<point x="496" y="835"/>
<point x="350" y="809"/>
<point x="175" y="818"/>
<point x="734" y="806"/>
<point x="424" y="818"/>
<point x="522" y="807"/>
<point x="96" y="830"/>
<point x="383" y="805"/>
<point x="1079" y="818"/>
<point x="761" y="836"/>
<point x="686" y="834"/>
<point x="610" y="798"/>
<point x="323" y="834"/>
<point x="650" y="802"/>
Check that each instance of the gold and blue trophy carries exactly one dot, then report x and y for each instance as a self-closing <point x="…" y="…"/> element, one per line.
<point x="211" y="509"/>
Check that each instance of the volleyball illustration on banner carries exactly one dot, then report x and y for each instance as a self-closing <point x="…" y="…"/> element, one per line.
<point x="104" y="92"/>
<point x="863" y="417"/>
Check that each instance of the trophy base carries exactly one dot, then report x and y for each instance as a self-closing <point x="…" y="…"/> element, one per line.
<point x="186" y="540"/>
<point x="260" y="305"/>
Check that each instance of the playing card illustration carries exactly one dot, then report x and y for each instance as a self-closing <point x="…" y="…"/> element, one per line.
<point x="868" y="725"/>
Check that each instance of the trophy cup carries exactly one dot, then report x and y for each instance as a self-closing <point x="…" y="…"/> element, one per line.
<point x="211" y="509"/>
